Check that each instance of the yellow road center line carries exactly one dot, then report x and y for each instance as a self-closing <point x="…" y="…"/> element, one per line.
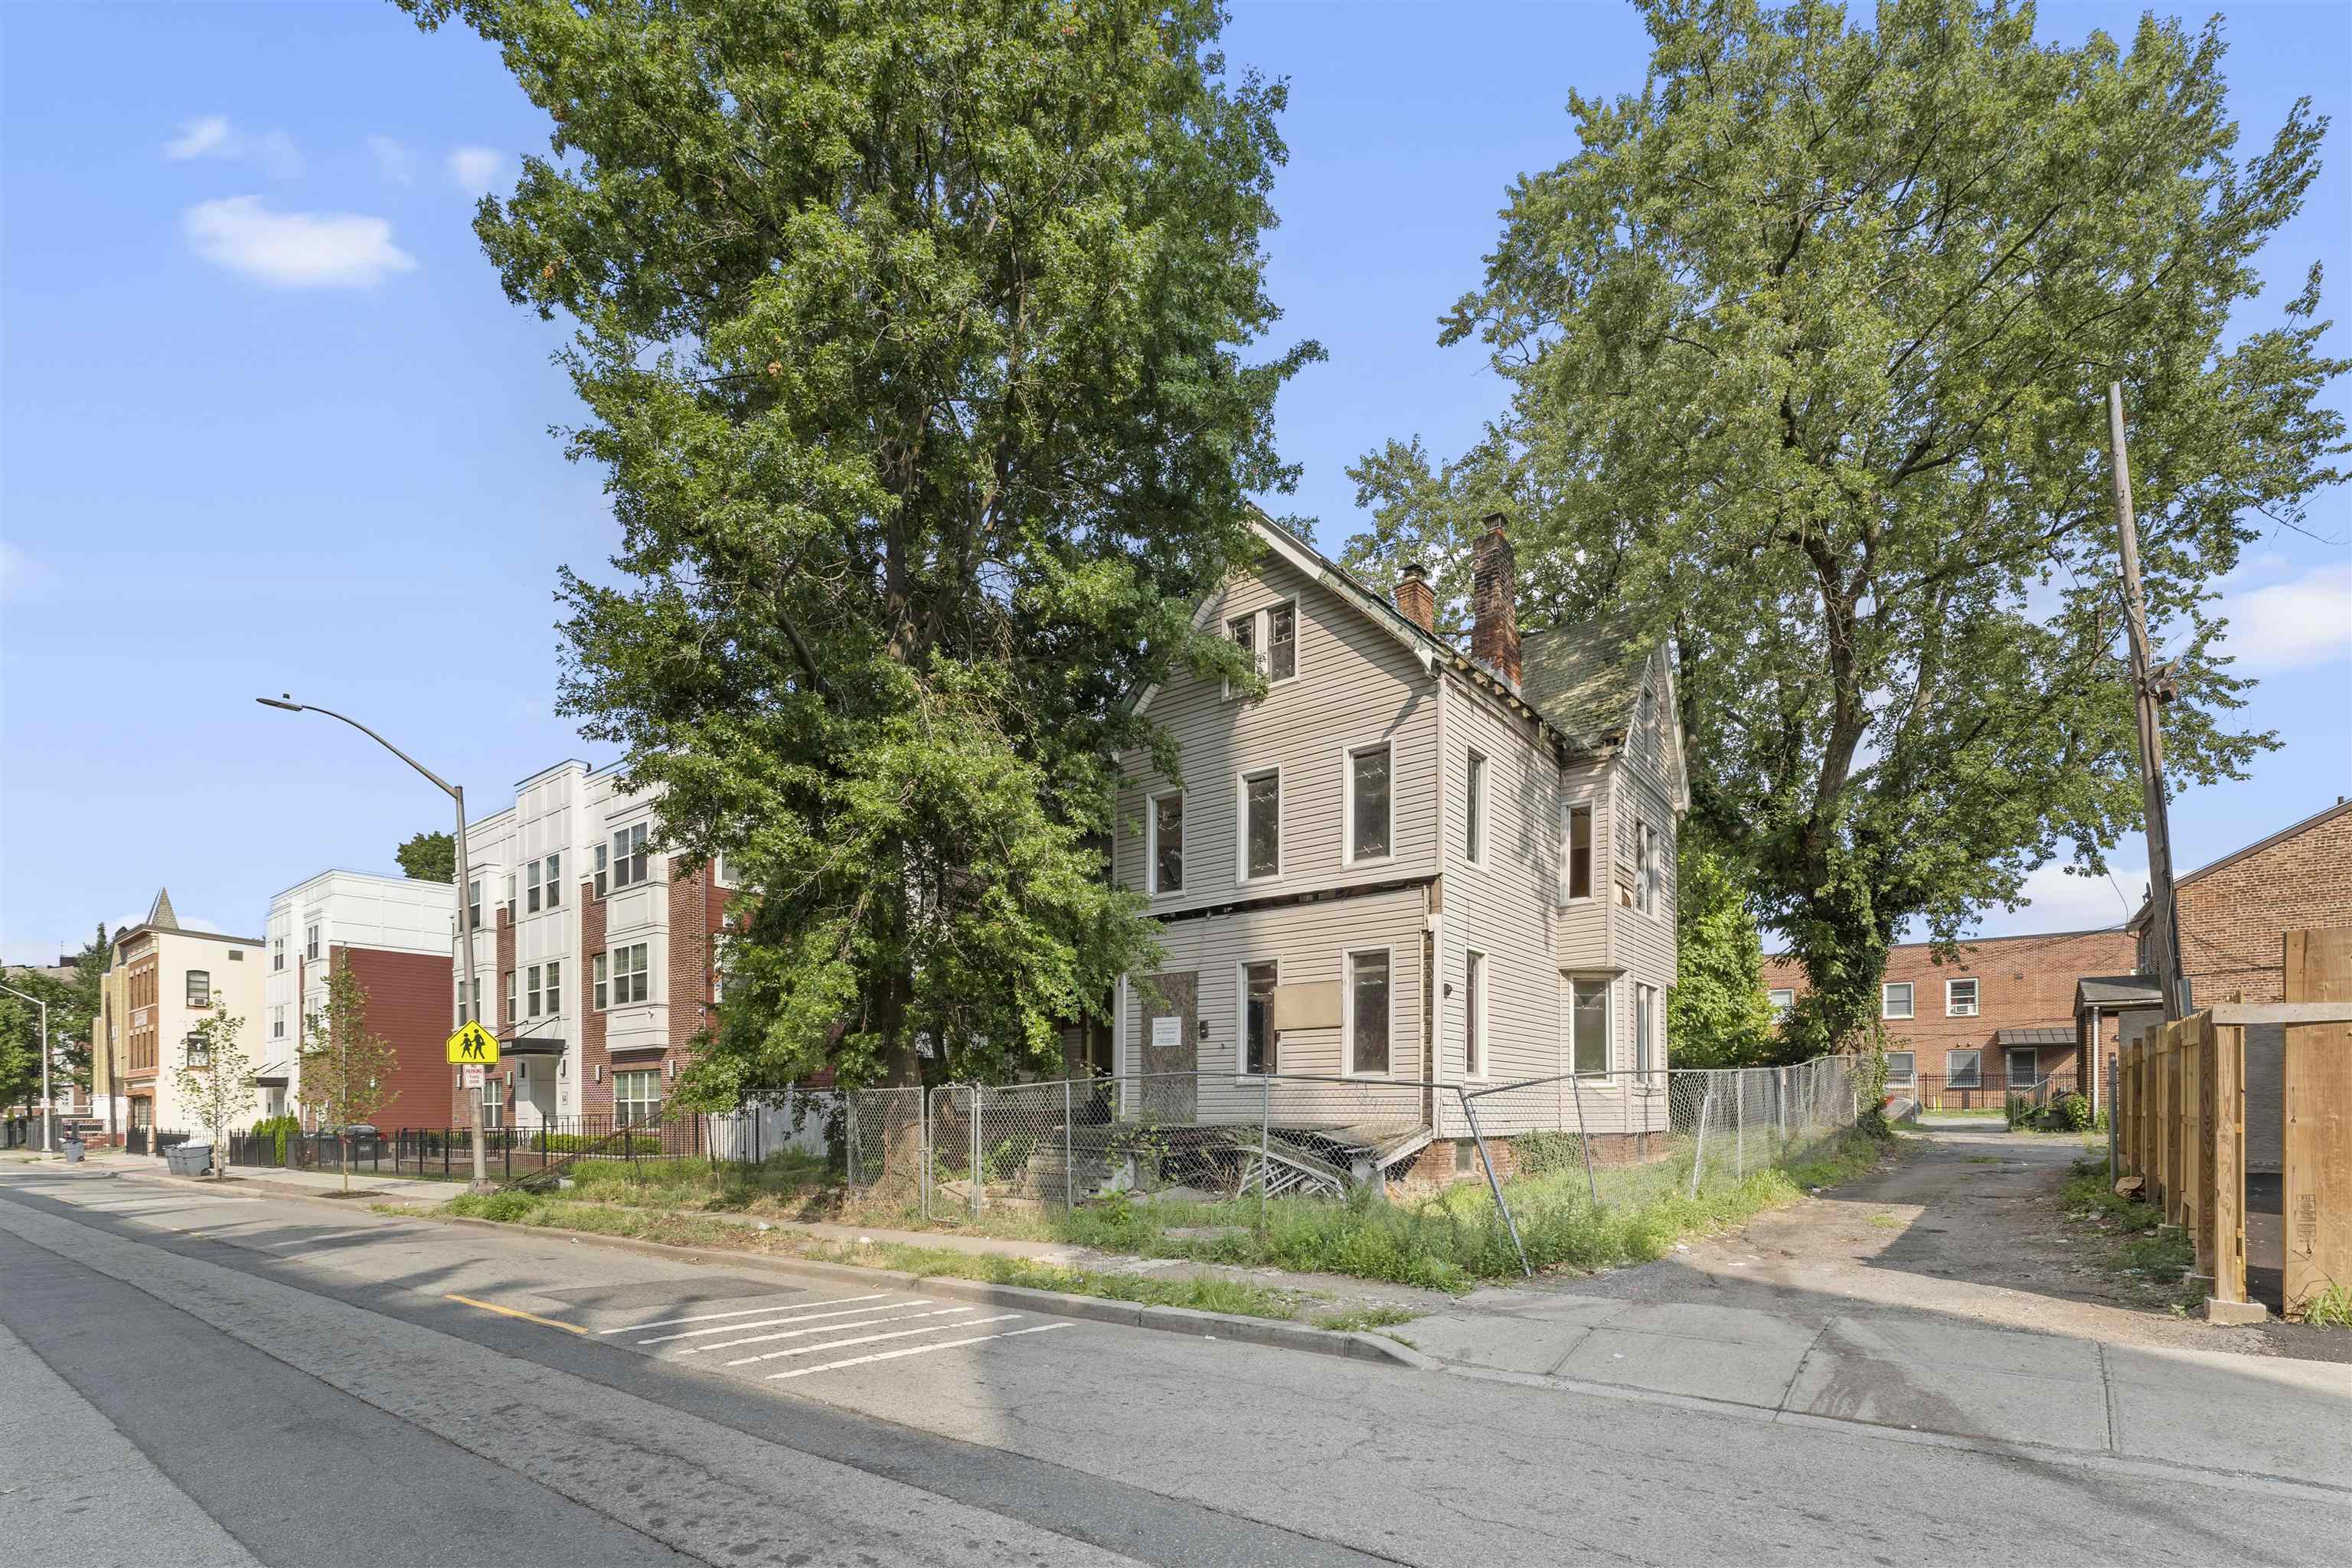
<point x="517" y="1312"/>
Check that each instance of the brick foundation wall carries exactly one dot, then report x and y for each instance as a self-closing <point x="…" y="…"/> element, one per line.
<point x="408" y="1003"/>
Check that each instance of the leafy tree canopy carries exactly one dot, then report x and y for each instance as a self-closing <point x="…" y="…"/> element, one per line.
<point x="913" y="341"/>
<point x="429" y="858"/>
<point x="1806" y="347"/>
<point x="1718" y="1015"/>
<point x="73" y="1000"/>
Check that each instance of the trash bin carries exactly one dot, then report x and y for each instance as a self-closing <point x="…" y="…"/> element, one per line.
<point x="73" y="1147"/>
<point x="189" y="1159"/>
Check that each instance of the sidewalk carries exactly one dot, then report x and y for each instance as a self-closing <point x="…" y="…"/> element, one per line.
<point x="274" y="1182"/>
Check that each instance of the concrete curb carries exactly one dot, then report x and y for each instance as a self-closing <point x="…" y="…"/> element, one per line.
<point x="1271" y="1331"/>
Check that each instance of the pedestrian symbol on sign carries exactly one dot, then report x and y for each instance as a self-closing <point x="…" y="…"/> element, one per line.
<point x="474" y="1046"/>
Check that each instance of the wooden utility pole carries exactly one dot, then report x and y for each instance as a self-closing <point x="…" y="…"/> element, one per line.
<point x="2164" y="916"/>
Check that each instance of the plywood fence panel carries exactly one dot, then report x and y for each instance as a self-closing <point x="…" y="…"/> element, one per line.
<point x="2318" y="1091"/>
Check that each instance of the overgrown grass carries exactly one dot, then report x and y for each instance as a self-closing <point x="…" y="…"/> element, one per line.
<point x="2329" y="1309"/>
<point x="1358" y="1319"/>
<point x="686" y="1230"/>
<point x="2089" y="1187"/>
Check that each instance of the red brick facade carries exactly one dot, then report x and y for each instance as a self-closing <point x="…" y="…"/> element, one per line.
<point x="2235" y="912"/>
<point x="2023" y="982"/>
<point x="409" y="1004"/>
<point x="595" y="1063"/>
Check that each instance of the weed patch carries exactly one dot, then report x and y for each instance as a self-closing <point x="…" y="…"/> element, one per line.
<point x="1363" y="1318"/>
<point x="2329" y="1309"/>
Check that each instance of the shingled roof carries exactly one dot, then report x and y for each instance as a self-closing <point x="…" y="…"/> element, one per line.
<point x="1587" y="678"/>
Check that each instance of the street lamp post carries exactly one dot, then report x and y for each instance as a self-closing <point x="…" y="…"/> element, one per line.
<point x="468" y="1004"/>
<point x="49" y="1135"/>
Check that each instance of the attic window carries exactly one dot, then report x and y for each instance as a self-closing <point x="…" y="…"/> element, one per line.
<point x="1271" y="637"/>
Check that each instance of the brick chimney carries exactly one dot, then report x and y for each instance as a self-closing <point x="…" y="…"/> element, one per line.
<point x="1416" y="598"/>
<point x="1494" y="593"/>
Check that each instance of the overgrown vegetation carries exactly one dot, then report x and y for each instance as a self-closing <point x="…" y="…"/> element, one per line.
<point x="1357" y="1319"/>
<point x="2329" y="1309"/>
<point x="2064" y="1113"/>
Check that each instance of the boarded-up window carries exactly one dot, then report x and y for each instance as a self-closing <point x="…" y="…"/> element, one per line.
<point x="1257" y="1021"/>
<point x="1589" y="1021"/>
<point x="1168" y="844"/>
<point x="1579" y="851"/>
<point x="1262" y="834"/>
<point x="1368" y="804"/>
<point x="1367" y="1012"/>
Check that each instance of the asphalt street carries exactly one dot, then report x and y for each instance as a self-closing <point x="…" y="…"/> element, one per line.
<point x="205" y="1379"/>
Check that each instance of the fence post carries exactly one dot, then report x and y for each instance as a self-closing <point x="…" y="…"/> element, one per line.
<point x="1584" y="1140"/>
<point x="1493" y="1183"/>
<point x="2114" y="1175"/>
<point x="849" y="1105"/>
<point x="1264" y="1141"/>
<point x="1699" y="1154"/>
<point x="1069" y="1153"/>
<point x="976" y="1200"/>
<point x="1740" y="1128"/>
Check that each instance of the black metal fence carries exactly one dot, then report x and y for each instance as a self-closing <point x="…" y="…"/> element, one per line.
<point x="1986" y="1091"/>
<point x="447" y="1153"/>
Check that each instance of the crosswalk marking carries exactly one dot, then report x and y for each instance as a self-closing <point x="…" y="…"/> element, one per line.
<point x="745" y="1312"/>
<point x="892" y="1316"/>
<point x="869" y="1338"/>
<point x="914" y="1350"/>
<point x="771" y="1322"/>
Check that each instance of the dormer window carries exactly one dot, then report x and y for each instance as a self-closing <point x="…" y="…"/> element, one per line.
<point x="1271" y="638"/>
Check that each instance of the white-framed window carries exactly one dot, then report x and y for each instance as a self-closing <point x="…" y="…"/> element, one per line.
<point x="637" y="1095"/>
<point x="277" y="953"/>
<point x="530" y="888"/>
<point x="1902" y="1066"/>
<point x="474" y="904"/>
<point x="1959" y="998"/>
<point x="1163" y="856"/>
<point x="2024" y="1064"/>
<point x="1646" y="868"/>
<point x="554" y="880"/>
<point x="530" y="992"/>
<point x="511" y="1014"/>
<point x="1474" y="810"/>
<point x="1588" y="1024"/>
<point x="1645" y="1028"/>
<point x="1271" y="638"/>
<point x="510" y="898"/>
<point x="494" y="1105"/>
<point x="310" y="943"/>
<point x="1369" y="822"/>
<point x="1474" y="1014"/>
<point x="1370" y="1014"/>
<point x="629" y="974"/>
<point x="1894" y="999"/>
<point x="628" y="865"/>
<point x="601" y="868"/>
<point x="1259" y="800"/>
<point x="599" y="977"/>
<point x="1781" y="999"/>
<point x="278" y="1022"/>
<point x="1579" y="833"/>
<point x="200" y="988"/>
<point x="723" y="873"/>
<point x="554" y="992"/>
<point x="1259" y="1045"/>
<point x="1963" y="1069"/>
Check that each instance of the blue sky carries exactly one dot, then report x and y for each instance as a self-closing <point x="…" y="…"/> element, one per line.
<point x="268" y="424"/>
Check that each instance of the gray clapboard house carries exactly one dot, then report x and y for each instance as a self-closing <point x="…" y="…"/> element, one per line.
<point x="1407" y="864"/>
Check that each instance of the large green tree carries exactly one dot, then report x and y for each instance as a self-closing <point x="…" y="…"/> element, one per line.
<point x="1718" y="1013"/>
<point x="73" y="1000"/>
<point x="1806" y="347"/>
<point x="428" y="858"/>
<point x="914" y="345"/>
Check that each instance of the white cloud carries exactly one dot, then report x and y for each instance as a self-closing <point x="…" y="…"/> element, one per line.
<point x="2292" y="625"/>
<point x="392" y="160"/>
<point x="212" y="136"/>
<point x="476" y="170"/>
<point x="2059" y="900"/>
<point x="19" y="573"/>
<point x="294" y="250"/>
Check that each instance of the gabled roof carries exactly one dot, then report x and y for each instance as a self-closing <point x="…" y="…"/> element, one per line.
<point x="2140" y="916"/>
<point x="1580" y="680"/>
<point x="1586" y="678"/>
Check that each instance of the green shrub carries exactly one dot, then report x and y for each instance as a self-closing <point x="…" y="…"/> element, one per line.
<point x="508" y="1208"/>
<point x="1543" y="1154"/>
<point x="276" y="1128"/>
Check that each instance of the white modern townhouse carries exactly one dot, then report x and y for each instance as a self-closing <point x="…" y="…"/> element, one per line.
<point x="397" y="936"/>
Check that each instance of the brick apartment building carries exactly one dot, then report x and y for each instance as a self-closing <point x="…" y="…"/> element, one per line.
<point x="2235" y="915"/>
<point x="596" y="958"/>
<point x="396" y="934"/>
<point x="2002" y="1017"/>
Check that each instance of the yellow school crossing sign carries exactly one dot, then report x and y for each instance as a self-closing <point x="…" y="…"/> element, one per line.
<point x="474" y="1046"/>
